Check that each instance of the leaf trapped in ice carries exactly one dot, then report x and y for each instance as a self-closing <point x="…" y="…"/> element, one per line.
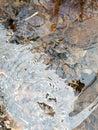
<point x="46" y="108"/>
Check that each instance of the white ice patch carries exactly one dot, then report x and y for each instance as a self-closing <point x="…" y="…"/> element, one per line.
<point x="27" y="82"/>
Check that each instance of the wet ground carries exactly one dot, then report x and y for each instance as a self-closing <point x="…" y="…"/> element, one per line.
<point x="38" y="37"/>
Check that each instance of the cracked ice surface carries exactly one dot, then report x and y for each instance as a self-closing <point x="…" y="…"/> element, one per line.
<point x="26" y="82"/>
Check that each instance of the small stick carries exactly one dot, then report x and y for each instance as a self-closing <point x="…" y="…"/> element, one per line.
<point x="31" y="16"/>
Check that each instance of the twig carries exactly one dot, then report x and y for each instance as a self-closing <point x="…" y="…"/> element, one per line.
<point x="31" y="16"/>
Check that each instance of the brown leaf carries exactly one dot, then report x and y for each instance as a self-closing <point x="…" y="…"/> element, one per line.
<point x="46" y="108"/>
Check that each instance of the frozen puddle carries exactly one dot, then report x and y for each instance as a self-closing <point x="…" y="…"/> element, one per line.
<point x="37" y="98"/>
